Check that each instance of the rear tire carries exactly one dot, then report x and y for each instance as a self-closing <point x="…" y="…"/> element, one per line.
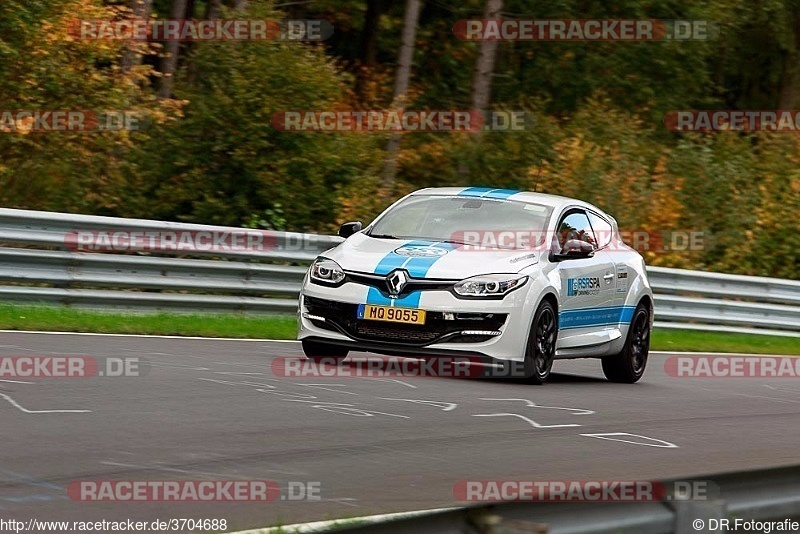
<point x="628" y="366"/>
<point x="541" y="348"/>
<point x="317" y="351"/>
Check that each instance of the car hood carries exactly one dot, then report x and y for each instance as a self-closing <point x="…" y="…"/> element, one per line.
<point x="427" y="259"/>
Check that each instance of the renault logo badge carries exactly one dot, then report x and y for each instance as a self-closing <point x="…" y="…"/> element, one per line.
<point x="396" y="281"/>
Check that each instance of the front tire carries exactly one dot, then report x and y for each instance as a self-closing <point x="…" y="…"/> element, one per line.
<point x="628" y="366"/>
<point x="316" y="351"/>
<point x="541" y="348"/>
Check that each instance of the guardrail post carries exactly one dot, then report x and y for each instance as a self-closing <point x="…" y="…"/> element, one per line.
<point x="693" y="517"/>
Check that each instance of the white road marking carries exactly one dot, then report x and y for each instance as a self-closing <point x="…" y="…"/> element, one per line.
<point x="16" y="405"/>
<point x="195" y="472"/>
<point x="158" y="363"/>
<point x="327" y="387"/>
<point x="356" y="412"/>
<point x="229" y="383"/>
<point x="328" y="525"/>
<point x="16" y="381"/>
<point x="156" y="467"/>
<point x="445" y="406"/>
<point x="654" y="442"/>
<point x="533" y="423"/>
<point x="395" y="380"/>
<point x="679" y="353"/>
<point x="776" y="399"/>
<point x="96" y="334"/>
<point x="531" y="404"/>
<point x="787" y="390"/>
<point x="349" y="408"/>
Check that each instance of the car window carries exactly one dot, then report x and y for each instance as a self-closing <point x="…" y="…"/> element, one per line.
<point x="602" y="229"/>
<point x="439" y="218"/>
<point x="575" y="230"/>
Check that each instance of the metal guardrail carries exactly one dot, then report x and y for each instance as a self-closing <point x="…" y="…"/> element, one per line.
<point x="49" y="229"/>
<point x="700" y="300"/>
<point x="268" y="280"/>
<point x="764" y="495"/>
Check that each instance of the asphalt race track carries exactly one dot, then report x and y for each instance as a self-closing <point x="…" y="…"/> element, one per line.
<point x="213" y="409"/>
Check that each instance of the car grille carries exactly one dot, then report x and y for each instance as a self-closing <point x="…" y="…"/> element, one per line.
<point x="341" y="317"/>
<point x="414" y="284"/>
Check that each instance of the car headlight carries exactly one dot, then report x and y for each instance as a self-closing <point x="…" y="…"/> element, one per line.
<point x="325" y="271"/>
<point x="489" y="285"/>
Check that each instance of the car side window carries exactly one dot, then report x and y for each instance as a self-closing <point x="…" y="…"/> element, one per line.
<point x="575" y="233"/>
<point x="602" y="229"/>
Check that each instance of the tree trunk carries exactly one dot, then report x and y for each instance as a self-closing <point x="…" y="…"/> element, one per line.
<point x="133" y="54"/>
<point x="169" y="63"/>
<point x="484" y="66"/>
<point x="482" y="77"/>
<point x="369" y="44"/>
<point x="404" y="62"/>
<point x="791" y="70"/>
<point x="212" y="9"/>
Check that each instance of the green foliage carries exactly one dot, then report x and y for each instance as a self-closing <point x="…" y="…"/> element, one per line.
<point x="211" y="155"/>
<point x="45" y="69"/>
<point x="224" y="161"/>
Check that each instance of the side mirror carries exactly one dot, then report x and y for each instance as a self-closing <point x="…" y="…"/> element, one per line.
<point x="348" y="229"/>
<point x="574" y="249"/>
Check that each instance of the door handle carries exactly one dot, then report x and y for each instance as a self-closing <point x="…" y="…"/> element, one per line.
<point x="608" y="277"/>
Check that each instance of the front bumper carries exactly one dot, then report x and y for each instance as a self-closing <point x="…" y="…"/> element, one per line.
<point x="439" y="327"/>
<point x="493" y="329"/>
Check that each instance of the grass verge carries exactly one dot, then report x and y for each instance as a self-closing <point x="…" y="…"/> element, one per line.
<point x="61" y="319"/>
<point x="695" y="341"/>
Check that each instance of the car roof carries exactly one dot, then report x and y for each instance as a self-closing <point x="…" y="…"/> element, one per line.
<point x="554" y="201"/>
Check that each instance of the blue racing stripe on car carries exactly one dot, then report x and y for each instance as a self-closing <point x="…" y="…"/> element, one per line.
<point x="374" y="296"/>
<point x="392" y="260"/>
<point x="474" y="191"/>
<point x="595" y="317"/>
<point x="500" y="193"/>
<point x="417" y="267"/>
<point x="487" y="192"/>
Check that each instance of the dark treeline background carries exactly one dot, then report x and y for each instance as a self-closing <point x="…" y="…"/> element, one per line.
<point x="210" y="155"/>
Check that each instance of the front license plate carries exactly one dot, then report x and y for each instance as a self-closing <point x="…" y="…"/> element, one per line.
<point x="391" y="314"/>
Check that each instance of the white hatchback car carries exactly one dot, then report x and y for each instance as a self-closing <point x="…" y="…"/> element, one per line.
<point x="516" y="278"/>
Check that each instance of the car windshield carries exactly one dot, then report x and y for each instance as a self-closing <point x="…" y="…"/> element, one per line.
<point x="460" y="219"/>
